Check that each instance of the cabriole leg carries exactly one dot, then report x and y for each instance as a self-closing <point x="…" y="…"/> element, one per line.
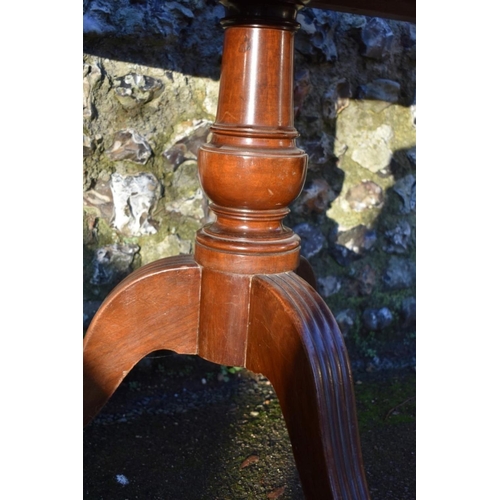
<point x="156" y="307"/>
<point x="295" y="342"/>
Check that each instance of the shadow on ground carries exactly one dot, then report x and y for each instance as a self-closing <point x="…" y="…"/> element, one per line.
<point x="181" y="428"/>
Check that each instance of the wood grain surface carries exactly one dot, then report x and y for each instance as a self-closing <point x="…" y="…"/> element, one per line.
<point x="238" y="302"/>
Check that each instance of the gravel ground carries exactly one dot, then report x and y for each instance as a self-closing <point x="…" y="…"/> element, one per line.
<point x="181" y="428"/>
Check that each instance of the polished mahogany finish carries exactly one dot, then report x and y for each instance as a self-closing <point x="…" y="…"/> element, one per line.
<point x="252" y="169"/>
<point x="156" y="307"/>
<point x="246" y="299"/>
<point x="295" y="341"/>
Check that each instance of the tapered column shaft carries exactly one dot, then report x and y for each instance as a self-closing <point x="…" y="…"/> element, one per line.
<point x="257" y="98"/>
<point x="251" y="170"/>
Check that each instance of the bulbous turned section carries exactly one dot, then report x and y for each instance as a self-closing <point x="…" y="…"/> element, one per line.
<point x="256" y="179"/>
<point x="251" y="169"/>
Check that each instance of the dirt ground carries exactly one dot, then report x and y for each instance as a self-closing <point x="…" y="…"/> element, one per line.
<point x="181" y="428"/>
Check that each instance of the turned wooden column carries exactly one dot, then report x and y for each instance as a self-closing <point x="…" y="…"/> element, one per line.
<point x="251" y="170"/>
<point x="240" y="300"/>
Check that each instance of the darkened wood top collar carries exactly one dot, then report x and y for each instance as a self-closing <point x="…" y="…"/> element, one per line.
<point x="402" y="10"/>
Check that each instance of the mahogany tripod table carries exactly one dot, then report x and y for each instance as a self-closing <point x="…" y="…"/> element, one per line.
<point x="244" y="298"/>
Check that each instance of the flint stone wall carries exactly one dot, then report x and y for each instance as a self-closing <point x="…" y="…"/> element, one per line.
<point x="150" y="85"/>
